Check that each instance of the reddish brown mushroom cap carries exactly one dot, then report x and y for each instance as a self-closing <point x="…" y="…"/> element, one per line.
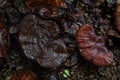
<point x="25" y="75"/>
<point x="46" y="8"/>
<point x="117" y="18"/>
<point x="86" y="36"/>
<point x="93" y="47"/>
<point x="89" y="53"/>
<point x="36" y="3"/>
<point x="103" y="57"/>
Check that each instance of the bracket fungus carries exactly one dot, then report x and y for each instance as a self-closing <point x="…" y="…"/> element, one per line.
<point x="38" y="43"/>
<point x="93" y="47"/>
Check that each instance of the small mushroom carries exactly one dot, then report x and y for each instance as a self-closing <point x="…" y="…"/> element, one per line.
<point x="24" y="75"/>
<point x="93" y="47"/>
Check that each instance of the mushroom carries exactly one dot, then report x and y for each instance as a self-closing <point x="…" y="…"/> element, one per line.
<point x="24" y="74"/>
<point x="93" y="47"/>
<point x="37" y="40"/>
<point x="36" y="3"/>
<point x="47" y="8"/>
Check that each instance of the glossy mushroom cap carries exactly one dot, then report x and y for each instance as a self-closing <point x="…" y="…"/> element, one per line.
<point x="93" y="47"/>
<point x="86" y="36"/>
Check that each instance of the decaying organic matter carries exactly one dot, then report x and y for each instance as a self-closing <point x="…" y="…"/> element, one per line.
<point x="72" y="21"/>
<point x="117" y="18"/>
<point x="4" y="38"/>
<point x="36" y="3"/>
<point x="38" y="43"/>
<point x="24" y="75"/>
<point x="93" y="47"/>
<point x="94" y="3"/>
<point x="2" y="52"/>
<point x="47" y="8"/>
